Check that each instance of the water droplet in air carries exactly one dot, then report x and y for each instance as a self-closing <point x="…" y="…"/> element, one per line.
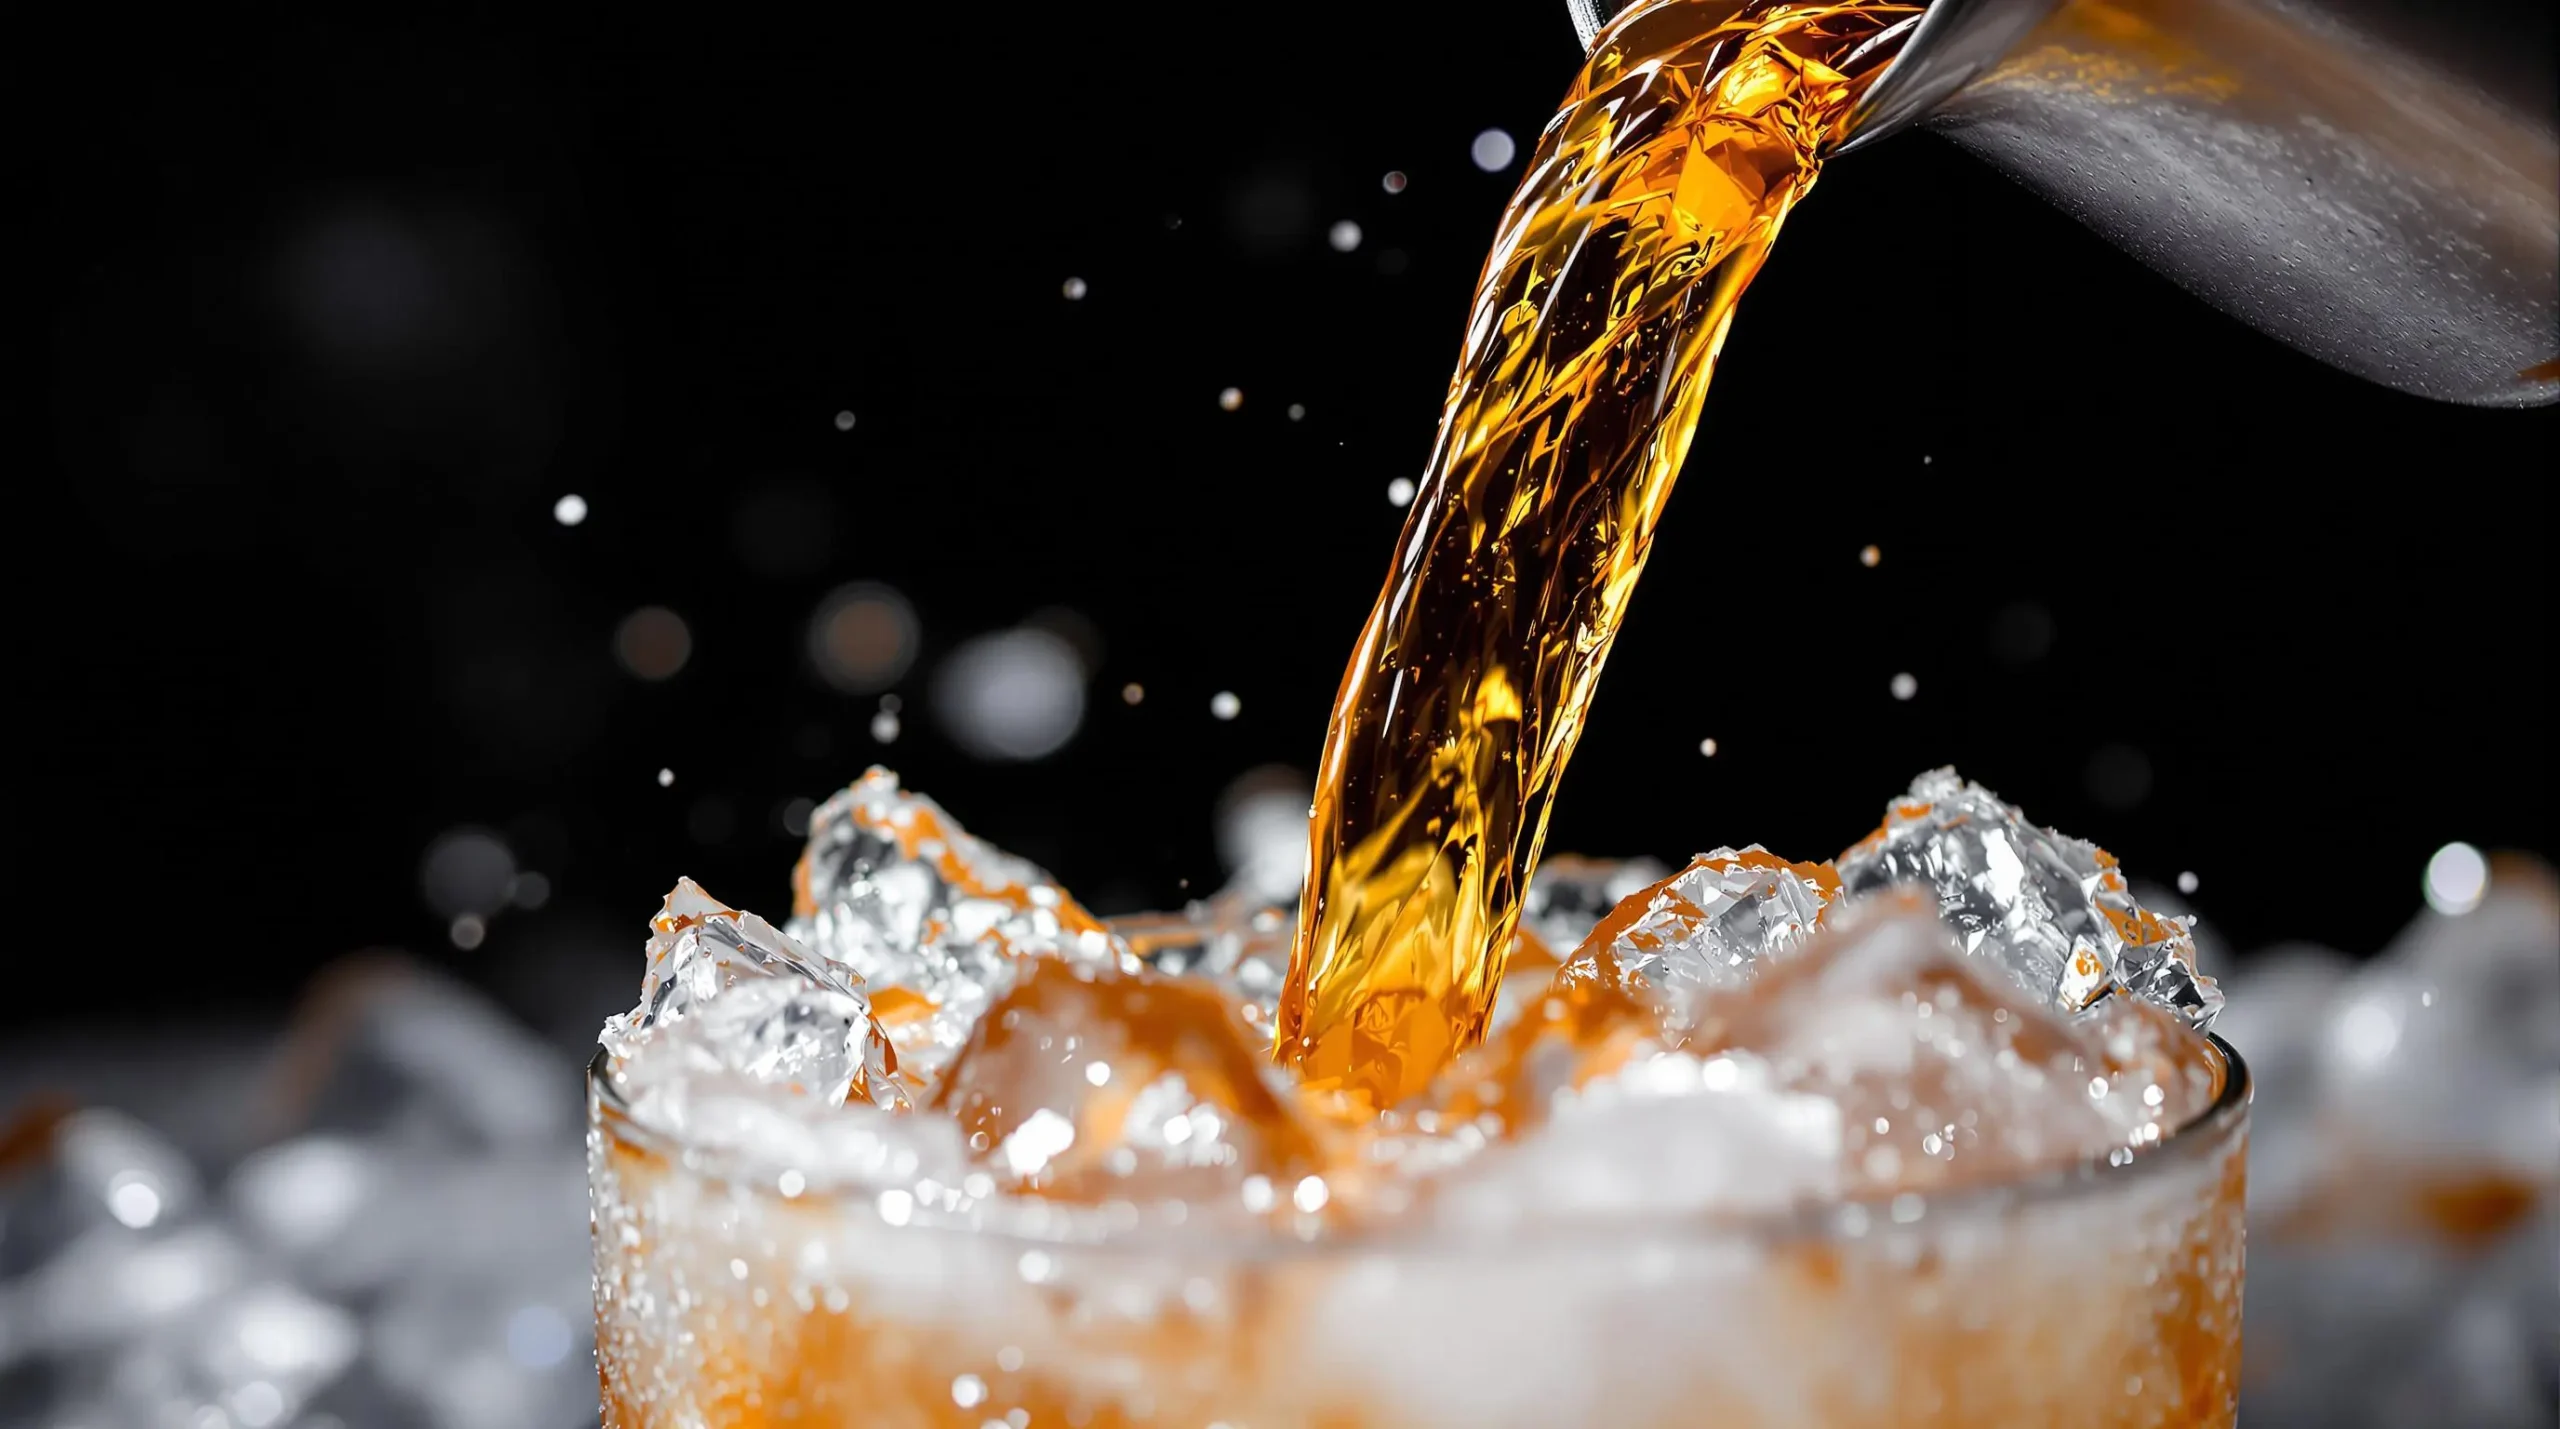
<point x="1230" y="399"/>
<point x="1394" y="182"/>
<point x="1075" y="289"/>
<point x="666" y="778"/>
<point x="569" y="510"/>
<point x="1225" y="705"/>
<point x="1905" y="685"/>
<point x="844" y="421"/>
<point x="1869" y="556"/>
<point x="2186" y="883"/>
<point x="1400" y="492"/>
<point x="1707" y="747"/>
<point x="1344" y="236"/>
<point x="1493" y="151"/>
<point x="1132" y="693"/>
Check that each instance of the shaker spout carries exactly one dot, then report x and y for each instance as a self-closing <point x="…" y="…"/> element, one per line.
<point x="2374" y="184"/>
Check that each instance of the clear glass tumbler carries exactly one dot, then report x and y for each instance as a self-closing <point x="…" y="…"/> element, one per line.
<point x="731" y="1296"/>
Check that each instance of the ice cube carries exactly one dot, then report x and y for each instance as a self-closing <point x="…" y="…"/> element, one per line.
<point x="2485" y="1361"/>
<point x="2282" y="1024"/>
<point x="1091" y="1085"/>
<point x="93" y="1170"/>
<point x="2379" y="1331"/>
<point x="111" y="1285"/>
<point x="2441" y="1063"/>
<point x="1712" y="925"/>
<point x="491" y="1347"/>
<point x="2054" y="913"/>
<point x="385" y="1044"/>
<point x="2212" y="954"/>
<point x="743" y="1000"/>
<point x="1569" y="894"/>
<point x="891" y="887"/>
<point x="2328" y="1334"/>
<point x="301" y="1197"/>
<point x="2283" y="1002"/>
<point x="418" y="1210"/>
<point x="251" y="1358"/>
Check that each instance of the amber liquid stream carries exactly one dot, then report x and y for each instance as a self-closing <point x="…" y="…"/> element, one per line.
<point x="1649" y="204"/>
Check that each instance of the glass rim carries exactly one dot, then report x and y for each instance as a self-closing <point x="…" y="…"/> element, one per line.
<point x="1844" y="1218"/>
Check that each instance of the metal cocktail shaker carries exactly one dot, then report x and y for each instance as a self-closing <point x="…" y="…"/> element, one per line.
<point x="2375" y="182"/>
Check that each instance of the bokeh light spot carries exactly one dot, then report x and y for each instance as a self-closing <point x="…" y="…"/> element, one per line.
<point x="2457" y="879"/>
<point x="653" y="643"/>
<point x="863" y="638"/>
<point x="1011" y="696"/>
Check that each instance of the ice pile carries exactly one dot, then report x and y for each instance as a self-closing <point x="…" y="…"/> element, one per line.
<point x="2049" y="913"/>
<point x="2404" y="1187"/>
<point x="1745" y="1032"/>
<point x="380" y="1226"/>
<point x="925" y="968"/>
<point x="1876" y="1059"/>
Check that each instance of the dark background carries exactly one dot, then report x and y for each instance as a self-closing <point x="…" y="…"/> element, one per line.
<point x="326" y="316"/>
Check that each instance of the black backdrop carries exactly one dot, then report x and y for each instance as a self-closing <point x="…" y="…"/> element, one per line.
<point x="326" y="316"/>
